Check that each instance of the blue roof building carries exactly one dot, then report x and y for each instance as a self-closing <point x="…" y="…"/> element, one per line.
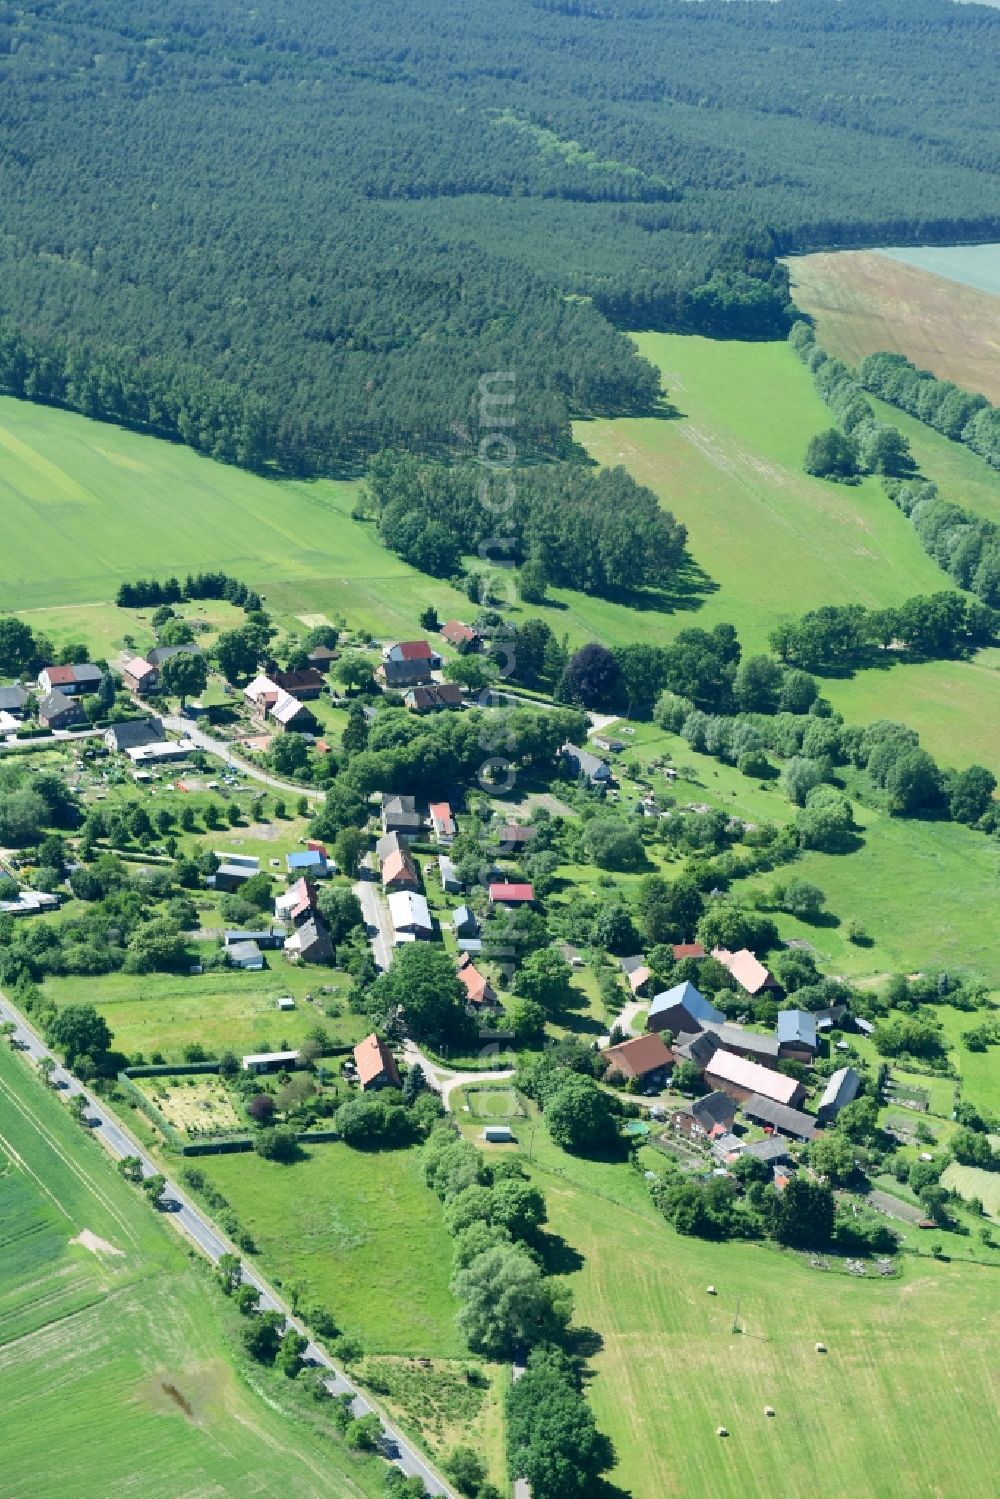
<point x="682" y="1009"/>
<point x="309" y="861"/>
<point x="796" y="1031"/>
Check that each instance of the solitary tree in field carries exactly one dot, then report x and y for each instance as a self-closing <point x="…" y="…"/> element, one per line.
<point x="153" y="1187"/>
<point x="184" y="675"/>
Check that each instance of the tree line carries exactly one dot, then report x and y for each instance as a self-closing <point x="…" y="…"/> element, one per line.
<point x="475" y="199"/>
<point x="600" y="532"/>
<point x="145" y="592"/>
<point x="943" y="405"/>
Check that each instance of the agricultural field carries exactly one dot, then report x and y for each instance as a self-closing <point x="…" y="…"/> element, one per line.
<point x="973" y="1181"/>
<point x="114" y="1371"/>
<point x="220" y="1010"/>
<point x="941" y="308"/>
<point x="730" y="467"/>
<point x="910" y="1360"/>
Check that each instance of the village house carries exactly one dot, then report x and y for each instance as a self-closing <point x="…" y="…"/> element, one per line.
<point x="514" y="836"/>
<point x="375" y="1065"/>
<point x="321" y="658"/>
<point x="397" y="869"/>
<point x="698" y="1047"/>
<point x="433" y="698"/>
<point x="261" y="694"/>
<point x="407" y="663"/>
<point x="748" y="971"/>
<point x="644" y="1057"/>
<point x="310" y="942"/>
<point x="507" y="893"/>
<point x="682" y="950"/>
<point x="293" y="715"/>
<point x="410" y="916"/>
<point x="682" y="1009"/>
<point x="267" y="938"/>
<point x="297" y="903"/>
<point x="460" y="635"/>
<point x="133" y="733"/>
<point x="72" y="681"/>
<point x="57" y="711"/>
<point x="637" y="975"/>
<point x="714" y="1109"/>
<point x="583" y="763"/>
<point x="141" y="676"/>
<point x="726" y="1147"/>
<point x="778" y="1116"/>
<point x="160" y="751"/>
<point x="797" y="1035"/>
<point x="464" y="923"/>
<point x="478" y="989"/>
<point x="309" y="861"/>
<point x="304" y="685"/>
<point x="246" y="955"/>
<point x="400" y="815"/>
<point x="742" y="1080"/>
<point x="450" y="882"/>
<point x="841" y="1089"/>
<point x="442" y="822"/>
<point x="833" y="1017"/>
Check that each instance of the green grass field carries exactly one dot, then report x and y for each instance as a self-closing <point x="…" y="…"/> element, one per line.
<point x="222" y="1009"/>
<point x="897" y="1405"/>
<point x="973" y="1181"/>
<point x="776" y="541"/>
<point x="356" y="1231"/>
<point x="114" y="1376"/>
<point x="493" y="1103"/>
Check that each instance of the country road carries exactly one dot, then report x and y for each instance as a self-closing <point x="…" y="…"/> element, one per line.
<point x="188" y="729"/>
<point x="376" y="914"/>
<point x="190" y="1221"/>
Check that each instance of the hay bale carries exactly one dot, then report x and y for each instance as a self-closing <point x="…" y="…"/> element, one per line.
<point x="720" y="1431"/>
<point x="820" y="1347"/>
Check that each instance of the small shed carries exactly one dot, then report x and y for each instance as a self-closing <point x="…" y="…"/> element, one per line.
<point x="269" y="1061"/>
<point x="499" y="1134"/>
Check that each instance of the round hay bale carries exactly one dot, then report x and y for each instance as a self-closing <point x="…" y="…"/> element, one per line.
<point x="820" y="1347"/>
<point x="720" y="1431"/>
<point x="769" y="1410"/>
<point x="711" y="1291"/>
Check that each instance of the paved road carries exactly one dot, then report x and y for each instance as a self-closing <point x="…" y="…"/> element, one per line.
<point x="223" y="751"/>
<point x="443" y="1079"/>
<point x="376" y="914"/>
<point x="190" y="1221"/>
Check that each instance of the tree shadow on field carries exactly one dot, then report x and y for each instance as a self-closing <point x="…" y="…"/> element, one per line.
<point x="560" y="1258"/>
<point x="686" y="592"/>
<point x="583" y="1343"/>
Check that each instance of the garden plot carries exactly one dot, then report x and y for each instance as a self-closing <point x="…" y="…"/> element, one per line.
<point x="193" y="1105"/>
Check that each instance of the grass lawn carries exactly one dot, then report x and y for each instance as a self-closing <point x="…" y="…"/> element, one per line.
<point x="493" y="1103"/>
<point x="909" y="1360"/>
<point x="973" y="1181"/>
<point x="114" y="1372"/>
<point x="730" y="467"/>
<point x="865" y="301"/>
<point x="222" y="1010"/>
<point x="357" y="1232"/>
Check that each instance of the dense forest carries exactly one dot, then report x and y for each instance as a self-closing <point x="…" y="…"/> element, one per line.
<point x="296" y="235"/>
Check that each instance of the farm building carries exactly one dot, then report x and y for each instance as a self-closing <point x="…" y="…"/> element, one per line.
<point x="266" y="938"/>
<point x="13" y="699"/>
<point x="269" y="1061"/>
<point x="841" y="1090"/>
<point x="72" y="681"/>
<point x="310" y="942"/>
<point x="834" y="1017"/>
<point x="797" y="1034"/>
<point x="375" y="1064"/>
<point x="161" y="653"/>
<point x="499" y="1134"/>
<point x="304" y="685"/>
<point x="682" y="1009"/>
<point x="229" y="877"/>
<point x="645" y="1057"/>
<point x="748" y="971"/>
<point x="29" y="903"/>
<point x="407" y="663"/>
<point x="308" y="861"/>
<point x="772" y="1150"/>
<point x="293" y="715"/>
<point x="245" y="861"/>
<point x="133" y="733"/>
<point x="321" y="658"/>
<point x="246" y="955"/>
<point x="698" y="1047"/>
<point x="583" y="763"/>
<point x="787" y="1121"/>
<point x="159" y="752"/>
<point x="57" y="711"/>
<point x="746" y="1043"/>
<point x="409" y="915"/>
<point x="742" y="1079"/>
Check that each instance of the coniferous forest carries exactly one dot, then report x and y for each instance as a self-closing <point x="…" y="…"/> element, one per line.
<point x="293" y="235"/>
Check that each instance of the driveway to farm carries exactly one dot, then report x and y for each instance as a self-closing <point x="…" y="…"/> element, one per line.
<point x="222" y="751"/>
<point x="189" y="1220"/>
<point x="443" y="1080"/>
<point x="625" y="1018"/>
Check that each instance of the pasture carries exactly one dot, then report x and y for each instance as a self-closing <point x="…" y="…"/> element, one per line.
<point x="864" y="301"/>
<point x="114" y="1375"/>
<point x="221" y="1010"/>
<point x="909" y="1360"/>
<point x="773" y="540"/>
<point x="359" y="1233"/>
